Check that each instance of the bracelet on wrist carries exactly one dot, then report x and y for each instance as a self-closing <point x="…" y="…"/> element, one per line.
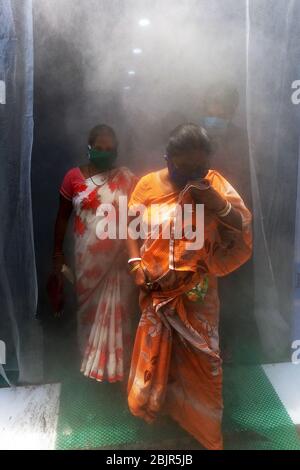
<point x="135" y="268"/>
<point x="224" y="212"/>
<point x="134" y="260"/>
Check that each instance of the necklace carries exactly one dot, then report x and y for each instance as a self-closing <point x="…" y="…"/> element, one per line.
<point x="96" y="184"/>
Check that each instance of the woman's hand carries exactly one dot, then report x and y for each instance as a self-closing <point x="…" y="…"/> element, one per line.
<point x="140" y="278"/>
<point x="63" y="216"/>
<point x="211" y="199"/>
<point x="215" y="203"/>
<point x="58" y="262"/>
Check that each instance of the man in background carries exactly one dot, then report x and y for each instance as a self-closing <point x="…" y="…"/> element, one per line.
<point x="231" y="159"/>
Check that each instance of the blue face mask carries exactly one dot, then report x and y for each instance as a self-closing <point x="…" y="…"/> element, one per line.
<point x="214" y="123"/>
<point x="181" y="179"/>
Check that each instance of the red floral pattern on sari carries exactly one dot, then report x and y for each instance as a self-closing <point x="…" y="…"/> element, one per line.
<point x="79" y="226"/>
<point x="103" y="286"/>
<point x="80" y="188"/>
<point x="91" y="202"/>
<point x="120" y="182"/>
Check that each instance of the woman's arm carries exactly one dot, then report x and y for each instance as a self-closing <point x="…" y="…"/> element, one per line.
<point x="233" y="241"/>
<point x="138" y="197"/>
<point x="214" y="202"/>
<point x="62" y="219"/>
<point x="133" y="249"/>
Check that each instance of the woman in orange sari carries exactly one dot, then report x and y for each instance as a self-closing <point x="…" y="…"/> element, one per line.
<point x="176" y="366"/>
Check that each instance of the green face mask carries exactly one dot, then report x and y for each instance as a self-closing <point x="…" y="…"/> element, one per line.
<point x="103" y="160"/>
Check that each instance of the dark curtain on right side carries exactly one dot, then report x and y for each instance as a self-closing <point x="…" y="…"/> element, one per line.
<point x="272" y="48"/>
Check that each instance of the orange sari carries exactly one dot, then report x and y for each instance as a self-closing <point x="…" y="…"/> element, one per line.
<point x="176" y="366"/>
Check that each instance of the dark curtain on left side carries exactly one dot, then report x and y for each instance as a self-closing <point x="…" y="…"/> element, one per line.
<point x="19" y="328"/>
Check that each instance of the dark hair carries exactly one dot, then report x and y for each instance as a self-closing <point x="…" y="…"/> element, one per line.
<point x="102" y="129"/>
<point x="187" y="138"/>
<point x="225" y="93"/>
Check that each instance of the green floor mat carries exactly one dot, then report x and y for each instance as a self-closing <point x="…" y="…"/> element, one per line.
<point x="254" y="416"/>
<point x="94" y="416"/>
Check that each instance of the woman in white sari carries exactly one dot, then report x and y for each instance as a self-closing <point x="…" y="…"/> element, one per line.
<point x="103" y="286"/>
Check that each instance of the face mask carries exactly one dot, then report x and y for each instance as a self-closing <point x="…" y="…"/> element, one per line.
<point x="214" y="123"/>
<point x="103" y="160"/>
<point x="181" y="179"/>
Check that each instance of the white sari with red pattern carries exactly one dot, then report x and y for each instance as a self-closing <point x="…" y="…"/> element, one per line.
<point x="104" y="288"/>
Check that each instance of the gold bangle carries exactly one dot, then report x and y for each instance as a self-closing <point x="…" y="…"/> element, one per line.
<point x="224" y="212"/>
<point x="135" y="268"/>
